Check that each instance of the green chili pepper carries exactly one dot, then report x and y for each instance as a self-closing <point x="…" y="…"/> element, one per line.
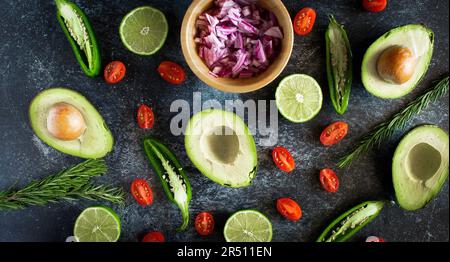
<point x="173" y="178"/>
<point x="351" y="222"/>
<point x="81" y="36"/>
<point x="339" y="65"/>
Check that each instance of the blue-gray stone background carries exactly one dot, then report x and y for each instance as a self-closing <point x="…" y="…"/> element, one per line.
<point x="35" y="55"/>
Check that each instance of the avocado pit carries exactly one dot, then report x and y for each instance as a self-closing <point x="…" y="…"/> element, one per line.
<point x="65" y="122"/>
<point x="396" y="64"/>
<point x="423" y="161"/>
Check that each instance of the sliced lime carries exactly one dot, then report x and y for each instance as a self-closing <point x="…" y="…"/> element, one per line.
<point x="248" y="226"/>
<point x="144" y="30"/>
<point x="299" y="98"/>
<point x="97" y="224"/>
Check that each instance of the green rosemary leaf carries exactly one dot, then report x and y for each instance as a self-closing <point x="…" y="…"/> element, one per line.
<point x="398" y="122"/>
<point x="100" y="192"/>
<point x="70" y="184"/>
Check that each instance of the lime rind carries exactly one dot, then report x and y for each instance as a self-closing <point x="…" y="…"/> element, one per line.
<point x="256" y="224"/>
<point x="144" y="30"/>
<point x="99" y="216"/>
<point x="295" y="88"/>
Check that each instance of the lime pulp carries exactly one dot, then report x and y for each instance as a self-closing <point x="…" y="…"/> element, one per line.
<point x="248" y="226"/>
<point x="144" y="30"/>
<point x="97" y="224"/>
<point x="299" y="98"/>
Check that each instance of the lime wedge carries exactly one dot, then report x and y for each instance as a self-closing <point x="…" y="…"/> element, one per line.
<point x="299" y="98"/>
<point x="97" y="224"/>
<point x="144" y="30"/>
<point x="248" y="226"/>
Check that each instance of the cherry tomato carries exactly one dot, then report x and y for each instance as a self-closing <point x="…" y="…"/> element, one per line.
<point x="289" y="209"/>
<point x="154" y="236"/>
<point x="172" y="72"/>
<point x="304" y="21"/>
<point x="145" y="117"/>
<point x="375" y="239"/>
<point x="329" y="180"/>
<point x="142" y="192"/>
<point x="204" y="223"/>
<point x="283" y="159"/>
<point x="114" y="72"/>
<point x="374" y="5"/>
<point x="334" y="133"/>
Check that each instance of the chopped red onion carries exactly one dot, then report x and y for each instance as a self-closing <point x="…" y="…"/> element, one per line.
<point x="274" y="32"/>
<point x="237" y="38"/>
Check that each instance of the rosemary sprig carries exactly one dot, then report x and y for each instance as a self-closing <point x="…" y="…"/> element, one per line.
<point x="70" y="184"/>
<point x="386" y="130"/>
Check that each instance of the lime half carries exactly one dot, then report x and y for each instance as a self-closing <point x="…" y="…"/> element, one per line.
<point x="299" y="98"/>
<point x="144" y="30"/>
<point x="97" y="224"/>
<point x="248" y="226"/>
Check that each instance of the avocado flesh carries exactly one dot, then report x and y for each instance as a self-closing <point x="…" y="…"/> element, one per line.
<point x="420" y="166"/>
<point x="221" y="146"/>
<point x="95" y="142"/>
<point x="419" y="39"/>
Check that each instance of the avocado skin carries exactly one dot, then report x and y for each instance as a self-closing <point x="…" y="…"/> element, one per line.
<point x="96" y="142"/>
<point x="403" y="185"/>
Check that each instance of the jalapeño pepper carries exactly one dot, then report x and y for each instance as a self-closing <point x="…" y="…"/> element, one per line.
<point x="346" y="225"/>
<point x="81" y="36"/>
<point x="173" y="178"/>
<point x="339" y="65"/>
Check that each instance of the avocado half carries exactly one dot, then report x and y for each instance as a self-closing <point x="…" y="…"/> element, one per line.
<point x="420" y="166"/>
<point x="95" y="142"/>
<point x="221" y="146"/>
<point x="419" y="39"/>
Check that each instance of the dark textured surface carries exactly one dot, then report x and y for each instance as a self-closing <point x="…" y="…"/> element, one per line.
<point x="35" y="55"/>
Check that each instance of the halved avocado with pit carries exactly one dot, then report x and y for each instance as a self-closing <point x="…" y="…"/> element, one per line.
<point x="221" y="146"/>
<point x="68" y="122"/>
<point x="420" y="166"/>
<point x="397" y="61"/>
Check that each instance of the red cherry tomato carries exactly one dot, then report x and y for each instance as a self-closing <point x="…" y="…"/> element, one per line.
<point x="154" y="236"/>
<point x="204" y="224"/>
<point x="172" y="72"/>
<point x="304" y="21"/>
<point x="289" y="209"/>
<point x="142" y="192"/>
<point x="334" y="133"/>
<point x="145" y="117"/>
<point x="329" y="180"/>
<point x="283" y="159"/>
<point x="114" y="72"/>
<point x="374" y="5"/>
<point x="375" y="239"/>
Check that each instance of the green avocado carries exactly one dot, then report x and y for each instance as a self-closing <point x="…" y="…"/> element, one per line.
<point x="221" y="146"/>
<point x="420" y="166"/>
<point x="93" y="140"/>
<point x="416" y="38"/>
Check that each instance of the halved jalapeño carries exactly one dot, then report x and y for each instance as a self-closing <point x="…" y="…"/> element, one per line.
<point x="339" y="65"/>
<point x="173" y="178"/>
<point x="346" y="225"/>
<point x="81" y="36"/>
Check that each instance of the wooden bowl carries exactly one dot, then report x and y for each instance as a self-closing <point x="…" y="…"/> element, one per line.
<point x="188" y="33"/>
